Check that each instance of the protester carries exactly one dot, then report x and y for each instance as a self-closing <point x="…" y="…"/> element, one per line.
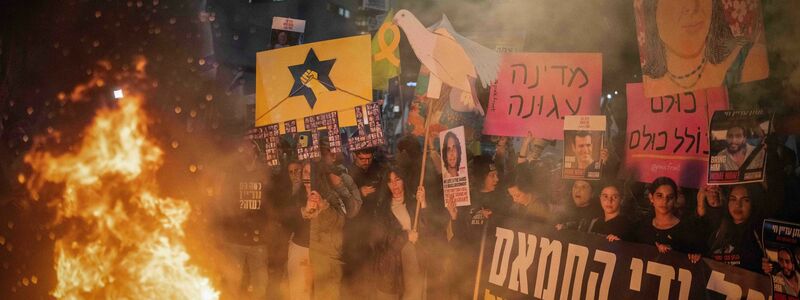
<point x="245" y="222"/>
<point x="665" y="230"/>
<point x="280" y="207"/>
<point x="366" y="175"/>
<point x="584" y="209"/>
<point x="397" y="263"/>
<point x="488" y="202"/>
<point x="736" y="240"/>
<point x="614" y="224"/>
<point x="315" y="251"/>
<point x="527" y="201"/>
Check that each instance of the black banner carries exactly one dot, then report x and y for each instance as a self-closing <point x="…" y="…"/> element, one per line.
<point x="532" y="261"/>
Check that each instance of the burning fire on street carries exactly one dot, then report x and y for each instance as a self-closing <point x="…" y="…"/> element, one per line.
<point x="122" y="239"/>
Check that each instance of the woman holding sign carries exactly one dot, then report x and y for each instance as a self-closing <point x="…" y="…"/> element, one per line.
<point x="736" y="240"/>
<point x="665" y="230"/>
<point x="397" y="260"/>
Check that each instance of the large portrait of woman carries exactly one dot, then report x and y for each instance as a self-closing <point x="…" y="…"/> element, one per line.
<point x="688" y="45"/>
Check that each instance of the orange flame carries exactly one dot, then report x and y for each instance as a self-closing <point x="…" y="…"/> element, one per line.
<point x="123" y="239"/>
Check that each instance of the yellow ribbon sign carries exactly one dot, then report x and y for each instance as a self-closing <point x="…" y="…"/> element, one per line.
<point x="387" y="50"/>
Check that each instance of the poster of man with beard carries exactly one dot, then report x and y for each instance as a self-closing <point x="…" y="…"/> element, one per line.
<point x="583" y="139"/>
<point x="738" y="147"/>
<point x="782" y="242"/>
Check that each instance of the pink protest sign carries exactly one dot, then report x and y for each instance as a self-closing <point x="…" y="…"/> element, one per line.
<point x="668" y="135"/>
<point x="535" y="91"/>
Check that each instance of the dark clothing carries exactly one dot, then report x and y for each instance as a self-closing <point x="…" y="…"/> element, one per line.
<point x="390" y="238"/>
<point x="468" y="229"/>
<point x="245" y="191"/>
<point x="357" y="228"/>
<point x="299" y="226"/>
<point x="736" y="244"/>
<point x="620" y="226"/>
<point x="682" y="237"/>
<point x="580" y="218"/>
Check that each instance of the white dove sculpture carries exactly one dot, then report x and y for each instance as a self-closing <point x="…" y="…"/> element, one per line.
<point x="451" y="59"/>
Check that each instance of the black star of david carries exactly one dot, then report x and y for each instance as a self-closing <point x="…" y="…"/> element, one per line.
<point x="322" y="69"/>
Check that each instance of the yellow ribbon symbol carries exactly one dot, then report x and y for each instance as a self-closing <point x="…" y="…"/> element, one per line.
<point x="387" y="50"/>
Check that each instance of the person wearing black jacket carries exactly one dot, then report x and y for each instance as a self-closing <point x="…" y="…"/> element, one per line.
<point x="665" y="230"/>
<point x="398" y="265"/>
<point x="735" y="242"/>
<point x="583" y="210"/>
<point x="614" y="224"/>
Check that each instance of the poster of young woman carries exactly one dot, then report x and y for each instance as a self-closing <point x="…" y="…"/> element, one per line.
<point x="686" y="45"/>
<point x="454" y="166"/>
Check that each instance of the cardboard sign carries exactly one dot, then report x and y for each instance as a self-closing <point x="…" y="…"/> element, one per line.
<point x="535" y="91"/>
<point x="584" y="137"/>
<point x="454" y="167"/>
<point x="691" y="45"/>
<point x="311" y="79"/>
<point x="286" y="32"/>
<point x="738" y="152"/>
<point x="668" y="136"/>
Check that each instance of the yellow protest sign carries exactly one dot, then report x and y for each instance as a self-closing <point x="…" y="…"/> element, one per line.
<point x="311" y="79"/>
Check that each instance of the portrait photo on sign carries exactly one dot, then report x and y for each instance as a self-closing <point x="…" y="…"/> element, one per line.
<point x="782" y="249"/>
<point x="686" y="45"/>
<point x="583" y="141"/>
<point x="454" y="154"/>
<point x="286" y="32"/>
<point x="455" y="179"/>
<point x="738" y="147"/>
<point x="582" y="154"/>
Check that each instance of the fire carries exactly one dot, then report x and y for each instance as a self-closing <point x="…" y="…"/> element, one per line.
<point x="123" y="240"/>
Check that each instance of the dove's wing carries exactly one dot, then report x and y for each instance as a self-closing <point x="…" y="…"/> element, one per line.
<point x="485" y="60"/>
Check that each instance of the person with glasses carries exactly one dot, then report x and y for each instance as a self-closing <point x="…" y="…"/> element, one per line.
<point x="665" y="230"/>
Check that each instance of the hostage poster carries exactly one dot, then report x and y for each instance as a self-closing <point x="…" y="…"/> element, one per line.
<point x="583" y="141"/>
<point x="782" y="247"/>
<point x="454" y="167"/>
<point x="738" y="147"/>
<point x="286" y="32"/>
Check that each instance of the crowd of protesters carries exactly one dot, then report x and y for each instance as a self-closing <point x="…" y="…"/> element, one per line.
<point x="366" y="225"/>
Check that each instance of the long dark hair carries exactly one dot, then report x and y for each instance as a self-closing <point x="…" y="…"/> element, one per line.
<point x="658" y="182"/>
<point x="448" y="136"/>
<point x="720" y="41"/>
<point x="725" y="234"/>
<point x="385" y="195"/>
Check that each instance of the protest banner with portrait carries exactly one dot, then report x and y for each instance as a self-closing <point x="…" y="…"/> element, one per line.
<point x="692" y="45"/>
<point x="454" y="166"/>
<point x="584" y="138"/>
<point x="782" y="247"/>
<point x="528" y="260"/>
<point x="738" y="146"/>
<point x="286" y="32"/>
